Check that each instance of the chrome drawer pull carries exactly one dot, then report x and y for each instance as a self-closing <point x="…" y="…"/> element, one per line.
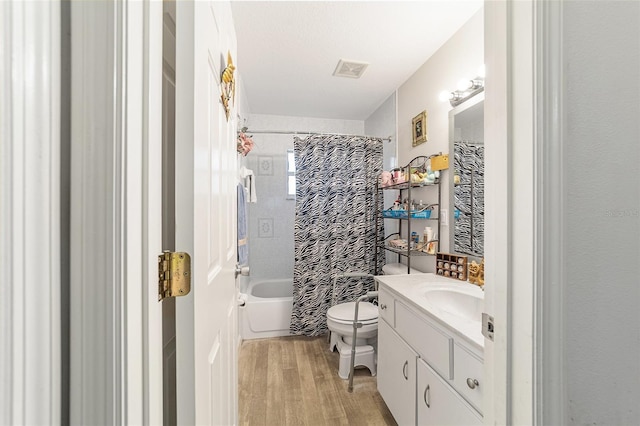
<point x="404" y="370"/>
<point x="472" y="383"/>
<point x="427" y="395"/>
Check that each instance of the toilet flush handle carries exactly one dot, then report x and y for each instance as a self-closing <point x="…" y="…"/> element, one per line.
<point x="383" y="306"/>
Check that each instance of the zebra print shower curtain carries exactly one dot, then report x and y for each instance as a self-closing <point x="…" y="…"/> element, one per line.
<point x="334" y="229"/>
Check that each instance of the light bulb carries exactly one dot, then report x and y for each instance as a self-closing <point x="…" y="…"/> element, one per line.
<point x="482" y="71"/>
<point x="476" y="84"/>
<point x="464" y="84"/>
<point x="457" y="95"/>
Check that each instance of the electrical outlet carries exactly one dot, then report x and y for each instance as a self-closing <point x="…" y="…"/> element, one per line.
<point x="445" y="217"/>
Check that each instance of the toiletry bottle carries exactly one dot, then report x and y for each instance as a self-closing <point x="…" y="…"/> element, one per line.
<point x="397" y="203"/>
<point x="428" y="234"/>
<point x="415" y="240"/>
<point x="432" y="247"/>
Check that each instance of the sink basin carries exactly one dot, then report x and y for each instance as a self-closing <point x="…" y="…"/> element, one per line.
<point x="467" y="303"/>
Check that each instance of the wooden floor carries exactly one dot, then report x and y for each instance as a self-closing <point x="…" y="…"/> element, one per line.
<point x="294" y="381"/>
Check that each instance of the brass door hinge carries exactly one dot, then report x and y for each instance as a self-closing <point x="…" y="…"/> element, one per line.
<point x="174" y="274"/>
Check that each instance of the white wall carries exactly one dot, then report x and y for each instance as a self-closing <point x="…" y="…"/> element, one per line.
<point x="243" y="108"/>
<point x="460" y="57"/>
<point x="271" y="219"/>
<point x="383" y="123"/>
<point x="601" y="45"/>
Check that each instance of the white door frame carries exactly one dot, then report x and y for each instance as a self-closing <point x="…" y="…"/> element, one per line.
<point x="549" y="398"/>
<point x="523" y="117"/>
<point x="116" y="345"/>
<point x="30" y="241"/>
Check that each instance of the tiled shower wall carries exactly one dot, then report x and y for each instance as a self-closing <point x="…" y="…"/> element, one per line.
<point x="271" y="219"/>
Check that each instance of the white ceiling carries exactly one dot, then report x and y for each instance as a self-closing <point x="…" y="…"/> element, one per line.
<point x="288" y="51"/>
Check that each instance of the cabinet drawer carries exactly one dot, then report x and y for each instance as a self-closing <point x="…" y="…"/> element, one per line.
<point x="430" y="343"/>
<point x="468" y="367"/>
<point x="386" y="307"/>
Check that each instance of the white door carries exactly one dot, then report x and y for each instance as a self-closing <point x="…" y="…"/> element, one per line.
<point x="205" y="199"/>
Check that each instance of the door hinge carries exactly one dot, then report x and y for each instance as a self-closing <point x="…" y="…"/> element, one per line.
<point x="487" y="326"/>
<point x="174" y="274"/>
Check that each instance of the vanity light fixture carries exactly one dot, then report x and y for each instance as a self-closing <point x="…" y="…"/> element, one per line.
<point x="466" y="90"/>
<point x="474" y="84"/>
<point x="456" y="96"/>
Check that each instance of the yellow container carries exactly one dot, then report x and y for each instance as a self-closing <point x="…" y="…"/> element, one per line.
<point x="440" y="162"/>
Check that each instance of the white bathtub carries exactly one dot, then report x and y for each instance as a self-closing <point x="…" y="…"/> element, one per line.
<point x="267" y="310"/>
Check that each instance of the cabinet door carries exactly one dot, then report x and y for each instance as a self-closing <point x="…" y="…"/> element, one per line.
<point x="397" y="375"/>
<point x="439" y="404"/>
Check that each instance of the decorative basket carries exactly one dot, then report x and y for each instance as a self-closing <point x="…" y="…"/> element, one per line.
<point x="421" y="214"/>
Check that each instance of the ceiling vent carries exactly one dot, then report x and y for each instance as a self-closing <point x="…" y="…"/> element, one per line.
<point x="350" y="69"/>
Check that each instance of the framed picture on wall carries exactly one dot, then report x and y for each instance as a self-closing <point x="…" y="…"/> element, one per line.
<point x="419" y="125"/>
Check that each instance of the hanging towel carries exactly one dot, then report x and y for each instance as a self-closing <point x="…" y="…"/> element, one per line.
<point x="243" y="246"/>
<point x="249" y="180"/>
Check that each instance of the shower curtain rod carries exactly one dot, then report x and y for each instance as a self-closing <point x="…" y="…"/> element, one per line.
<point x="293" y="132"/>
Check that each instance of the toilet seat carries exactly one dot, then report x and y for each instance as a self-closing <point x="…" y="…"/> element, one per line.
<point x="350" y="322"/>
<point x="345" y="312"/>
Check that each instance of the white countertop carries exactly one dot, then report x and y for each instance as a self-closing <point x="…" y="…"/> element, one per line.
<point x="412" y="288"/>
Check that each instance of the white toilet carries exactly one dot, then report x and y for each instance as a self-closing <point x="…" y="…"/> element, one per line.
<point x="340" y="324"/>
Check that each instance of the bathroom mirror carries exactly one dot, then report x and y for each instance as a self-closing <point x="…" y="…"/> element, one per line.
<point x="466" y="142"/>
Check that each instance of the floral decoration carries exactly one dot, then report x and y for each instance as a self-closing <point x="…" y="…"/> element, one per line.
<point x="245" y="143"/>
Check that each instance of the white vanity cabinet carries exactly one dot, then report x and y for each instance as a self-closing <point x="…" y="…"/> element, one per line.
<point x="427" y="373"/>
